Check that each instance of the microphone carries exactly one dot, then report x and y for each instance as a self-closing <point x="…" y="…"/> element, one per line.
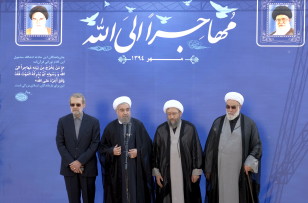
<point x="127" y="134"/>
<point x="126" y="140"/>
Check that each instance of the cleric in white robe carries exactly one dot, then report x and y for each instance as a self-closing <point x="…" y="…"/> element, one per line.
<point x="232" y="156"/>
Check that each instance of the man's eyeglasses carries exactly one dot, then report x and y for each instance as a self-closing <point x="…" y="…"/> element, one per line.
<point x="230" y="107"/>
<point x="72" y="105"/>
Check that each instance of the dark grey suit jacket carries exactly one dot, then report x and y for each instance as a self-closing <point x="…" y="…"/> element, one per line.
<point x="84" y="149"/>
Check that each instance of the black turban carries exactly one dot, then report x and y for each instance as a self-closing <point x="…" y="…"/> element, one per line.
<point x="41" y="9"/>
<point x="281" y="10"/>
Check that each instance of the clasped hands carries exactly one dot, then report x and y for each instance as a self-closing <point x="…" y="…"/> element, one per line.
<point x="132" y="153"/>
<point x="76" y="167"/>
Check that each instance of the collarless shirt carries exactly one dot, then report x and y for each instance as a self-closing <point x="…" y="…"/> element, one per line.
<point x="233" y="123"/>
<point x="77" y="122"/>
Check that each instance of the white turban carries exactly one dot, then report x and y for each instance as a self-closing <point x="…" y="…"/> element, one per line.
<point x="235" y="96"/>
<point x="121" y="100"/>
<point x="175" y="104"/>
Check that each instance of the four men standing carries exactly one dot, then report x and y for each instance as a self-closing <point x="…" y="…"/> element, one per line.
<point x="231" y="156"/>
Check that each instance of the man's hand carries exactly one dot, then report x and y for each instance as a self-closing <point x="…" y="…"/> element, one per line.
<point x="159" y="180"/>
<point x="117" y="150"/>
<point x="132" y="153"/>
<point x="194" y="178"/>
<point x="75" y="166"/>
<point x="247" y="169"/>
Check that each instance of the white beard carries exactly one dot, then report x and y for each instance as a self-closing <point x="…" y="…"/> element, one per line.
<point x="283" y="30"/>
<point x="39" y="31"/>
<point x="231" y="117"/>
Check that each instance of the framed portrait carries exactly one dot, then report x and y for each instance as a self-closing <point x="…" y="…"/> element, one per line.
<point x="38" y="23"/>
<point x="281" y="24"/>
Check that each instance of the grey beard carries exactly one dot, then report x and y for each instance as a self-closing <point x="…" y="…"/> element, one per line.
<point x="232" y="117"/>
<point x="125" y="120"/>
<point x="174" y="125"/>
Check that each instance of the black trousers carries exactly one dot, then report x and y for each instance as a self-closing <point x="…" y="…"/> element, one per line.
<point x="77" y="185"/>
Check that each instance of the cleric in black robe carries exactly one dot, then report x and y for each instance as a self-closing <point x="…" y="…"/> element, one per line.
<point x="126" y="165"/>
<point x="233" y="156"/>
<point x="177" y="158"/>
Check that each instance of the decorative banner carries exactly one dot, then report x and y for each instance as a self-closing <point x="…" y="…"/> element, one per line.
<point x="194" y="51"/>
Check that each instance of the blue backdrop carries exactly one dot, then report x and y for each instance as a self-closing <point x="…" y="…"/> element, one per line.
<point x="152" y="51"/>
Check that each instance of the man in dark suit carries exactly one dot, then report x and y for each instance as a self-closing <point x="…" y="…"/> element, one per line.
<point x="77" y="141"/>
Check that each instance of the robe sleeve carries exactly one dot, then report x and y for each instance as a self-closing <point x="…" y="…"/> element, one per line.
<point x="197" y="172"/>
<point x="255" y="145"/>
<point x="146" y="151"/>
<point x="146" y="148"/>
<point x="208" y="151"/>
<point x="145" y="156"/>
<point x="156" y="150"/>
<point x="197" y="154"/>
<point x="155" y="172"/>
<point x="253" y="163"/>
<point x="106" y="148"/>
